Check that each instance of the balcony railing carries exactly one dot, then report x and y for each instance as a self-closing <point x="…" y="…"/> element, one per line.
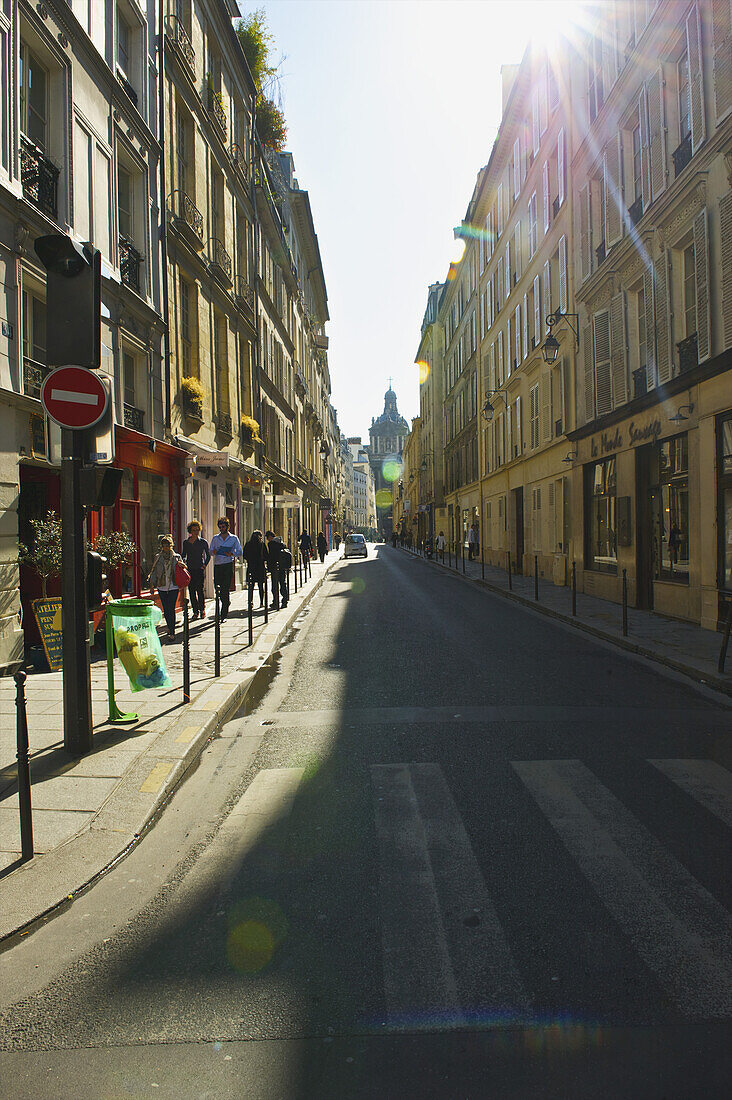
<point x="216" y="109"/>
<point x="127" y="87"/>
<point x="129" y="264"/>
<point x="640" y="382"/>
<point x="688" y="350"/>
<point x="133" y="418"/>
<point x="223" y="423"/>
<point x="187" y="214"/>
<point x="238" y="159"/>
<point x="555" y="207"/>
<point x="178" y="35"/>
<point x="33" y="375"/>
<point x="244" y="294"/>
<point x="220" y="258"/>
<point x="682" y="156"/>
<point x="600" y="253"/>
<point x="635" y="210"/>
<point x="39" y="177"/>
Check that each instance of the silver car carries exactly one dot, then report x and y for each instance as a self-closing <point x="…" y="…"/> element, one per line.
<point x="355" y="547"/>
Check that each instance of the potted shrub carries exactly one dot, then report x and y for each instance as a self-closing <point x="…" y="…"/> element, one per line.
<point x="192" y="397"/>
<point x="249" y="431"/>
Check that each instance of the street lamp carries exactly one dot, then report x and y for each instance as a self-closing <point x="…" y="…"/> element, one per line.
<point x="550" y="347"/>
<point x="488" y="409"/>
<point x="423" y="464"/>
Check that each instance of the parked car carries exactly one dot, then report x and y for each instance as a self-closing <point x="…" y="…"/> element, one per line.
<point x="355" y="547"/>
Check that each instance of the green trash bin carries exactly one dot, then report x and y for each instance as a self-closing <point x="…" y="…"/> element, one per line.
<point x="131" y="630"/>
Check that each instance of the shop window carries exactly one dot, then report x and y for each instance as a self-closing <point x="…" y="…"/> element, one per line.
<point x="725" y="502"/>
<point x="154" y="496"/>
<point x="671" y="526"/>
<point x="600" y="516"/>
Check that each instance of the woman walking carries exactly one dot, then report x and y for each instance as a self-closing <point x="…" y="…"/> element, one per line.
<point x="162" y="577"/>
<point x="306" y="545"/>
<point x="255" y="555"/>
<point x="196" y="555"/>
<point x="322" y="546"/>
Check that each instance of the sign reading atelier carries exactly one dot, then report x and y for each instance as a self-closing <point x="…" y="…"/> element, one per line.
<point x="74" y="397"/>
<point x="48" y="617"/>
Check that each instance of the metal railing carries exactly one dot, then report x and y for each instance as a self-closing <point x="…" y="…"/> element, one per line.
<point x="216" y="109"/>
<point x="238" y="158"/>
<point x="688" y="350"/>
<point x="635" y="210"/>
<point x="129" y="264"/>
<point x="244" y="293"/>
<point x="219" y="256"/>
<point x="555" y="207"/>
<point x="681" y="156"/>
<point x="127" y="88"/>
<point x="133" y="418"/>
<point x="223" y="422"/>
<point x="640" y="382"/>
<point x="39" y="178"/>
<point x="186" y="211"/>
<point x="179" y="37"/>
<point x="33" y="375"/>
<point x="600" y="253"/>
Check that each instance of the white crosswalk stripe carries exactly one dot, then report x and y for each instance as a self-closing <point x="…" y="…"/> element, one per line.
<point x="705" y="780"/>
<point x="680" y="931"/>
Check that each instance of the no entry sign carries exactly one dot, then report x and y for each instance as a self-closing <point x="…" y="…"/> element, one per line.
<point x="74" y="397"/>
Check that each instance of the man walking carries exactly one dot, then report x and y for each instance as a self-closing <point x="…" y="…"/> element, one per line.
<point x="471" y="542"/>
<point x="196" y="554"/>
<point x="322" y="546"/>
<point x="276" y="561"/>
<point x="440" y="545"/>
<point x="225" y="547"/>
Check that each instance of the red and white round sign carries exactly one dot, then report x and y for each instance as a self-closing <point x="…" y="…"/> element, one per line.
<point x="74" y="397"/>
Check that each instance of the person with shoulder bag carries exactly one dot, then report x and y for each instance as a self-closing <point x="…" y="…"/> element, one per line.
<point x="163" y="577"/>
<point x="196" y="554"/>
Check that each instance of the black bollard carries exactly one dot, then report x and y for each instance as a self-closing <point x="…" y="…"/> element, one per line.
<point x="482" y="564"/>
<point x="217" y="637"/>
<point x="510" y="579"/>
<point x="24" y="780"/>
<point x="725" y="639"/>
<point x="250" y="614"/>
<point x="536" y="576"/>
<point x="266" y="599"/>
<point x="294" y="572"/>
<point x="462" y="554"/>
<point x="186" y="654"/>
<point x="449" y="557"/>
<point x="574" y="588"/>
<point x="625" y="603"/>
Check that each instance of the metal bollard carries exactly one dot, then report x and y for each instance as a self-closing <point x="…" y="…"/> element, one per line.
<point x="536" y="576"/>
<point x="294" y="572"/>
<point x="510" y="579"/>
<point x="24" y="780"/>
<point x="266" y="598"/>
<point x="725" y="639"/>
<point x="625" y="603"/>
<point x="217" y="637"/>
<point x="186" y="654"/>
<point x="462" y="554"/>
<point x="449" y="557"/>
<point x="482" y="564"/>
<point x="250" y="614"/>
<point x="574" y="588"/>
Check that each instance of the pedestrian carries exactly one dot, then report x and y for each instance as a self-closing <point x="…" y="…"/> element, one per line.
<point x="440" y="544"/>
<point x="471" y="542"/>
<point x="306" y="545"/>
<point x="225" y="547"/>
<point x="162" y="577"/>
<point x="277" y="570"/>
<point x="196" y="553"/>
<point x="255" y="555"/>
<point x="336" y="541"/>
<point x="322" y="546"/>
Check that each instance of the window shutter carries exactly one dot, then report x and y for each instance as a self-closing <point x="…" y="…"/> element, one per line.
<point x="609" y="61"/>
<point x="519" y="427"/>
<point x="509" y="433"/>
<point x="660" y="301"/>
<point x="509" y="349"/>
<point x="547" y="290"/>
<point x="499" y="281"/>
<point x="725" y="241"/>
<point x="507" y="269"/>
<point x="516" y="168"/>
<point x="614" y="206"/>
<point x="492" y="368"/>
<point x="656" y="134"/>
<point x="563" y="273"/>
<point x="722" y="36"/>
<point x="499" y="211"/>
<point x="537" y="312"/>
<point x="589" y="374"/>
<point x="696" y="83"/>
<point x="584" y="219"/>
<point x="546" y="406"/>
<point x="535" y="134"/>
<point x="543" y="105"/>
<point x="545" y="194"/>
<point x="489" y="235"/>
<point x="701" y="264"/>
<point x="560" y="166"/>
<point x="525" y="327"/>
<point x="517" y="333"/>
<point x="650" y="329"/>
<point x="517" y="249"/>
<point x="601" y="331"/>
<point x="618" y="344"/>
<point x="500" y="360"/>
<point x="645" y="148"/>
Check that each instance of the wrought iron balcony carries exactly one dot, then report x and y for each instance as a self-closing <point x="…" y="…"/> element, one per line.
<point x="129" y="264"/>
<point x="223" y="423"/>
<point x="244" y="295"/>
<point x="301" y="470"/>
<point x="33" y="375"/>
<point x="238" y="158"/>
<point x="178" y="36"/>
<point x="640" y="382"/>
<point x="220" y="261"/>
<point x="635" y="210"/>
<point x="216" y="109"/>
<point x="39" y="177"/>
<point x="187" y="217"/>
<point x="688" y="350"/>
<point x="682" y="156"/>
<point x="127" y="87"/>
<point x="133" y="418"/>
<point x="555" y="207"/>
<point x="600" y="253"/>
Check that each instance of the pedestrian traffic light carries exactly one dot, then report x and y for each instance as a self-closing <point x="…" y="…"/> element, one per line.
<point x="100" y="485"/>
<point x="96" y="580"/>
<point x="73" y="301"/>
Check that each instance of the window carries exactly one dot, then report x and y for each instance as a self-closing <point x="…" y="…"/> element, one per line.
<point x="536" y="517"/>
<point x="595" y="93"/>
<point x="637" y="178"/>
<point x="689" y="291"/>
<point x="123" y="44"/>
<point x="600" y="512"/>
<point x="682" y="76"/>
<point x="34" y="327"/>
<point x="33" y="97"/>
<point x="182" y="131"/>
<point x="533" y="243"/>
<point x="125" y="204"/>
<point x="534" y="416"/>
<point x="187" y="328"/>
<point x="671" y="521"/>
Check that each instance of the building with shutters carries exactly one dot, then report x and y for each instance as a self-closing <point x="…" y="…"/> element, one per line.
<point x="430" y="362"/>
<point x="651" y="178"/>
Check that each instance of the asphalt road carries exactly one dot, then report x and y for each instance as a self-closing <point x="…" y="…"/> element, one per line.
<point x="457" y="850"/>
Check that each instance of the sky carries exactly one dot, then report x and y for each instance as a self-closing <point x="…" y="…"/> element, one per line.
<point x="392" y="108"/>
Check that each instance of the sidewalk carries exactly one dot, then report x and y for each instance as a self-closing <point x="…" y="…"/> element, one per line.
<point x="87" y="810"/>
<point x="682" y="646"/>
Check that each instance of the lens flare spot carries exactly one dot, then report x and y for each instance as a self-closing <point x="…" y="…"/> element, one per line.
<point x="391" y="468"/>
<point x="357" y="586"/>
<point x="250" y="946"/>
<point x="424" y="371"/>
<point x="383" y="498"/>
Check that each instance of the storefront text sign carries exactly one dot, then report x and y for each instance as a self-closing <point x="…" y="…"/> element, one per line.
<point x="609" y="443"/>
<point x="48" y="617"/>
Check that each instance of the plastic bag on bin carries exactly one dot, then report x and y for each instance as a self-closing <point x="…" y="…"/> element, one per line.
<point x="138" y="648"/>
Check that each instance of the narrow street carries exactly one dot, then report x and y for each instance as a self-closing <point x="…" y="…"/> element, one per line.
<point x="456" y="850"/>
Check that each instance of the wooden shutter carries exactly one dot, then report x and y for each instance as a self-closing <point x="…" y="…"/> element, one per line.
<point x="701" y="265"/>
<point x="584" y="219"/>
<point x="545" y="194"/>
<point x="507" y="269"/>
<point x="601" y="333"/>
<point x="499" y="281"/>
<point x="546" y="406"/>
<point x="509" y="433"/>
<point x="722" y="47"/>
<point x="563" y="273"/>
<point x="517" y="333"/>
<point x="725" y="242"/>
<point x="525" y="327"/>
<point x="613" y="229"/>
<point x="516" y="168"/>
<point x="656" y="134"/>
<point x="609" y="59"/>
<point x="589" y="374"/>
<point x="696" y="83"/>
<point x="489" y="234"/>
<point x="618" y="342"/>
<point x="661" y="305"/>
<point x="517" y="249"/>
<point x="535" y="134"/>
<point x="509" y="349"/>
<point x="644" y="148"/>
<point x="500" y="360"/>
<point x="492" y="368"/>
<point x="538" y="328"/>
<point x="560" y="166"/>
<point x="648" y="287"/>
<point x="547" y="289"/>
<point x="499" y="211"/>
<point x="519" y="427"/>
<point x="543" y="101"/>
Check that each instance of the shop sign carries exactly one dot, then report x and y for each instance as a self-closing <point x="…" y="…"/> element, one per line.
<point x="48" y="617"/>
<point x="38" y="436"/>
<point x="609" y="443"/>
<point x="214" y="460"/>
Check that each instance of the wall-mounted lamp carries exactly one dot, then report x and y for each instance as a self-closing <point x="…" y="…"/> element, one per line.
<point x="550" y="347"/>
<point x="488" y="409"/>
<point x="570" y="457"/>
<point x="680" y="414"/>
<point x="423" y="464"/>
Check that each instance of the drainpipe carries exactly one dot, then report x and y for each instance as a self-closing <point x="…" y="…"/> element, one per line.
<point x="256" y="399"/>
<point x="163" y="221"/>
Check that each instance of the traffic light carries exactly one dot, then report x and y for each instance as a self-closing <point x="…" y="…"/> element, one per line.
<point x="99" y="485"/>
<point x="73" y="301"/>
<point x="96" y="580"/>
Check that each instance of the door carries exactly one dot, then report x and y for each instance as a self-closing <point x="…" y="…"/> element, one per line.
<point x="128" y="579"/>
<point x="518" y="538"/>
<point x="646" y="499"/>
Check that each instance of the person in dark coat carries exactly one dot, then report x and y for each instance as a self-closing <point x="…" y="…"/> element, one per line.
<point x="277" y="570"/>
<point x="306" y="545"/>
<point x="336" y="542"/>
<point x="196" y="554"/>
<point x="322" y="546"/>
<point x="255" y="555"/>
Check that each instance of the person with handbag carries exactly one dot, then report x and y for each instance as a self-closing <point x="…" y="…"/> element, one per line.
<point x="196" y="554"/>
<point x="225" y="547"/>
<point x="255" y="555"/>
<point x="163" y="577"/>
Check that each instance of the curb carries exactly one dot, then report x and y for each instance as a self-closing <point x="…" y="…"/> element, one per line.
<point x="711" y="679"/>
<point x="233" y="701"/>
